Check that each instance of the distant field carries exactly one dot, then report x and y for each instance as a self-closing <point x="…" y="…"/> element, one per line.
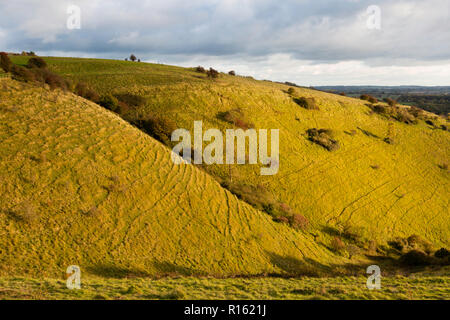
<point x="414" y="287"/>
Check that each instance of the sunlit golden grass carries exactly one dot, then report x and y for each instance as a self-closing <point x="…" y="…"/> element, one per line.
<point x="389" y="190"/>
<point x="414" y="287"/>
<point x="81" y="186"/>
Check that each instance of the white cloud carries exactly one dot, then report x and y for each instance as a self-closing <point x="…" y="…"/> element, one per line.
<point x="323" y="39"/>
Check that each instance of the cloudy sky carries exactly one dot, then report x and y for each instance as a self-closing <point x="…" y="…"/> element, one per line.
<point x="310" y="42"/>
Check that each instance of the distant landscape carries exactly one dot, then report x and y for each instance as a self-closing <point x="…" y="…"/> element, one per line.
<point x="433" y="99"/>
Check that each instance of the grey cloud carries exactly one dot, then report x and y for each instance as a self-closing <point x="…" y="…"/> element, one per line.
<point x="413" y="31"/>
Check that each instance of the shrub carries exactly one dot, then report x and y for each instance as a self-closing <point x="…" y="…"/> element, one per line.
<point x="232" y="73"/>
<point x="291" y="91"/>
<point x="235" y="117"/>
<point x="130" y="99"/>
<point x="369" y="98"/>
<point x="398" y="243"/>
<point x="337" y="245"/>
<point x="323" y="137"/>
<point x="50" y="78"/>
<point x="373" y="100"/>
<point x="404" y="116"/>
<point x="109" y="102"/>
<point x="282" y="219"/>
<point x="390" y="102"/>
<point x="159" y="127"/>
<point x="257" y="196"/>
<point x="297" y="221"/>
<point x="5" y="62"/>
<point x="442" y="253"/>
<point x="307" y="103"/>
<point x="133" y="58"/>
<point x="417" y="242"/>
<point x="37" y="63"/>
<point x="399" y="114"/>
<point x="212" y="73"/>
<point x="21" y="73"/>
<point x="416" y="112"/>
<point x="83" y="91"/>
<point x="122" y="108"/>
<point x="200" y="69"/>
<point x="415" y="258"/>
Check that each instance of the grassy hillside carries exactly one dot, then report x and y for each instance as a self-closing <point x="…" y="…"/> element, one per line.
<point x="384" y="190"/>
<point x="81" y="186"/>
<point x="424" y="286"/>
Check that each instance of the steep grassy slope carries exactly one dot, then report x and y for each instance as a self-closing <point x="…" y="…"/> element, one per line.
<point x="81" y="186"/>
<point x="387" y="190"/>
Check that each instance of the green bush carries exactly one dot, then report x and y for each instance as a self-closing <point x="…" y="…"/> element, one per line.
<point x="399" y="243"/>
<point x="37" y="63"/>
<point x="159" y="127"/>
<point x="200" y="69"/>
<point x="109" y="102"/>
<point x="130" y="99"/>
<point x="307" y="103"/>
<point x="417" y="242"/>
<point x="324" y="138"/>
<point x="22" y="74"/>
<point x="390" y="102"/>
<point x="369" y="98"/>
<point x="442" y="253"/>
<point x="50" y="78"/>
<point x="83" y="91"/>
<point x="212" y="73"/>
<point x="5" y="62"/>
<point x="297" y="221"/>
<point x="235" y="117"/>
<point x="415" y="258"/>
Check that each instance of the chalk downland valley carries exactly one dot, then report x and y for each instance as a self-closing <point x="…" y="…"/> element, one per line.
<point x="87" y="179"/>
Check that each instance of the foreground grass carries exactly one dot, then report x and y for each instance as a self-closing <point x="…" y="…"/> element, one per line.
<point x="413" y="287"/>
